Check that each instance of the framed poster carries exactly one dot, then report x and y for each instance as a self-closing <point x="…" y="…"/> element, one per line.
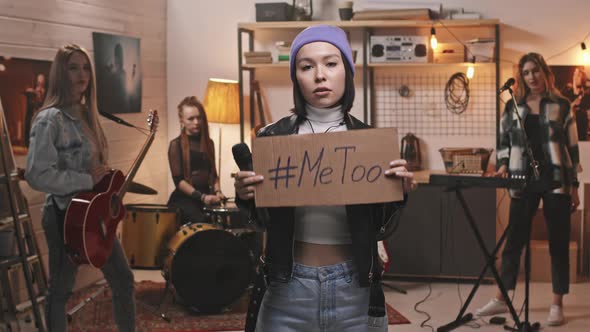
<point x="118" y="73"/>
<point x="572" y="82"/>
<point x="23" y="86"/>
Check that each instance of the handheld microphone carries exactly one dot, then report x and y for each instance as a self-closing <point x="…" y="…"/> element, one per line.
<point x="116" y="119"/>
<point x="242" y="156"/>
<point x="510" y="82"/>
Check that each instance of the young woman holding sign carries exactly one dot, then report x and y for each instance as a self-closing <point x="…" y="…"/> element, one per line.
<point x="321" y="268"/>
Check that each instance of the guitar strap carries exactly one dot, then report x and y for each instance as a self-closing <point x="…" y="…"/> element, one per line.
<point x="260" y="285"/>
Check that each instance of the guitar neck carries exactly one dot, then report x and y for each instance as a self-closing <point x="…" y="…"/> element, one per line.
<point x="260" y="108"/>
<point x="136" y="164"/>
<point x="257" y="93"/>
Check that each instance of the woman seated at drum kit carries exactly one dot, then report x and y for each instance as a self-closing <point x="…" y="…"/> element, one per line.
<point x="192" y="163"/>
<point x="208" y="264"/>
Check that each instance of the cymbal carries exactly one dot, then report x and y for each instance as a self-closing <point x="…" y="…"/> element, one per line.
<point x="142" y="189"/>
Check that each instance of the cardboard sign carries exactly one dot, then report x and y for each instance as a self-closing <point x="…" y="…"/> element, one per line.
<point x="327" y="169"/>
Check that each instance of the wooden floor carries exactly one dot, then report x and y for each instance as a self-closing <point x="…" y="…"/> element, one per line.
<point x="444" y="303"/>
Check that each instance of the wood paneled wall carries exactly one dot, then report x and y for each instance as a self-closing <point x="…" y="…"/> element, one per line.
<point x="34" y="29"/>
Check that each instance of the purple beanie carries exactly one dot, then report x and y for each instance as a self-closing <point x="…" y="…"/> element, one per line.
<point x="321" y="33"/>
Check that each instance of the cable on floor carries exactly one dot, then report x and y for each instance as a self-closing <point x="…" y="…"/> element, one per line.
<point x="423" y="323"/>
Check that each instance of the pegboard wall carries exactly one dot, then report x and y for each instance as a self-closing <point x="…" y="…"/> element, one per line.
<point x="424" y="111"/>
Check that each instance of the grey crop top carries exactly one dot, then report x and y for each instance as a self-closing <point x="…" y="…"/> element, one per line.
<point x="322" y="224"/>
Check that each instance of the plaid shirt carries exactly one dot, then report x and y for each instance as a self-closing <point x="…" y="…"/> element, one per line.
<point x="559" y="140"/>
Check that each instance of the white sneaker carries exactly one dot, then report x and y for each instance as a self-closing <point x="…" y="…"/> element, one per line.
<point x="494" y="307"/>
<point x="555" y="316"/>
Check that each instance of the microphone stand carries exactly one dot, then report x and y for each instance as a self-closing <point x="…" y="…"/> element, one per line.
<point x="529" y="152"/>
<point x="525" y="325"/>
<point x="116" y="119"/>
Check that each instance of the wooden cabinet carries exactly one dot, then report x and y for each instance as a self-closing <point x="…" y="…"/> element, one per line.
<point x="447" y="30"/>
<point x="434" y="238"/>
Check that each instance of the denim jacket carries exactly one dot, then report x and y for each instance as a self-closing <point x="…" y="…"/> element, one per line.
<point x="59" y="159"/>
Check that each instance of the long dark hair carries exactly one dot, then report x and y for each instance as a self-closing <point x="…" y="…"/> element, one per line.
<point x="346" y="101"/>
<point x="205" y="145"/>
<point x="522" y="90"/>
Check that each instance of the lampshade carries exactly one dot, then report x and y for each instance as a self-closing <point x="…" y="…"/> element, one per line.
<point x="222" y="101"/>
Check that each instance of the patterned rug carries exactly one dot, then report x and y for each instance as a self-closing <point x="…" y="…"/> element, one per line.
<point x="97" y="315"/>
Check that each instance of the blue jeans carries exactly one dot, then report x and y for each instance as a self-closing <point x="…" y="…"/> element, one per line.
<point x="326" y="298"/>
<point x="62" y="274"/>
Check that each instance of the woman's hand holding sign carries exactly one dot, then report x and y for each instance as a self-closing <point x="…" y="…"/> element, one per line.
<point x="398" y="169"/>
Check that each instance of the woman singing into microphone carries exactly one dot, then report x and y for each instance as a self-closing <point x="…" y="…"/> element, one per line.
<point x="553" y="139"/>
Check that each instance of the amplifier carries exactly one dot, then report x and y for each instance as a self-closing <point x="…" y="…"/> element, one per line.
<point x="399" y="49"/>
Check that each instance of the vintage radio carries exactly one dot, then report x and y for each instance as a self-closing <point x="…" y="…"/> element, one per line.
<point x="399" y="49"/>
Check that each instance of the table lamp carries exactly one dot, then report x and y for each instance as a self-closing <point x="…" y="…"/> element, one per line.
<point x="222" y="106"/>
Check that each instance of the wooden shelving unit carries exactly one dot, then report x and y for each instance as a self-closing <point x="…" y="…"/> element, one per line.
<point x="285" y="65"/>
<point x="367" y="28"/>
<point x="370" y="24"/>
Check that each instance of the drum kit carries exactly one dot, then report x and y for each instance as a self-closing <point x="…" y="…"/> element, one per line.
<point x="210" y="265"/>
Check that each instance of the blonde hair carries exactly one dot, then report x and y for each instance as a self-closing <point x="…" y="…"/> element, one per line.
<point x="522" y="89"/>
<point x="59" y="93"/>
<point x="579" y="74"/>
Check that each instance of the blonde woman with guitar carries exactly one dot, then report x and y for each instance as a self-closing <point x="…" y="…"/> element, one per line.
<point x="68" y="155"/>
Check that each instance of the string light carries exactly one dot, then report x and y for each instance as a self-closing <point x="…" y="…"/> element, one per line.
<point x="585" y="54"/>
<point x="470" y="71"/>
<point x="471" y="68"/>
<point x="433" y="41"/>
<point x="585" y="51"/>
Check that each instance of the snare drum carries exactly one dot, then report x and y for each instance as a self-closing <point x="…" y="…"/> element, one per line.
<point x="208" y="266"/>
<point x="146" y="230"/>
<point x="226" y="215"/>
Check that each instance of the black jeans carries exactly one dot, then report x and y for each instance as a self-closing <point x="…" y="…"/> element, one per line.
<point x="556" y="208"/>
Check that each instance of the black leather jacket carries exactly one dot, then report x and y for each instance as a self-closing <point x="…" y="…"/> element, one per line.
<point x="368" y="223"/>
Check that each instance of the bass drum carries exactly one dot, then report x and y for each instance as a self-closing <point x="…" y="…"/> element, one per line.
<point x="209" y="267"/>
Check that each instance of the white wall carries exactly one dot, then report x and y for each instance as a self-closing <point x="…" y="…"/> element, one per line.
<point x="203" y="46"/>
<point x="202" y="43"/>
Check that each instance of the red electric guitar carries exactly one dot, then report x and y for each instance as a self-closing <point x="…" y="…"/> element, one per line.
<point x="92" y="216"/>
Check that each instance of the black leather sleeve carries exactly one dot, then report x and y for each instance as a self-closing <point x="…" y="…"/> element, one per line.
<point x="387" y="217"/>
